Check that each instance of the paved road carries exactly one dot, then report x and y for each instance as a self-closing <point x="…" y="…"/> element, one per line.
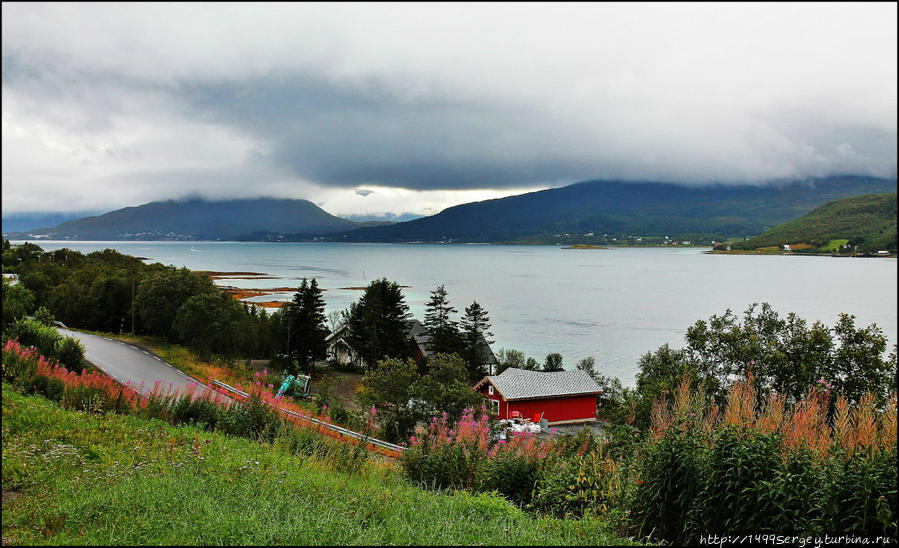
<point x="125" y="362"/>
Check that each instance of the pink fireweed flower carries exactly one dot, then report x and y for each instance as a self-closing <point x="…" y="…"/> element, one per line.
<point x="373" y="410"/>
<point x="257" y="373"/>
<point x="265" y="372"/>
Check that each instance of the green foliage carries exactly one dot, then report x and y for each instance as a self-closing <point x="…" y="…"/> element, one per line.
<point x="126" y="477"/>
<point x="475" y="335"/>
<point x="48" y="342"/>
<point x="512" y="474"/>
<point x="859" y="494"/>
<point x="442" y="329"/>
<point x="388" y="388"/>
<point x="578" y="486"/>
<point x="70" y="352"/>
<point x="610" y="403"/>
<point x="783" y="354"/>
<point x="669" y="480"/>
<point x="553" y="362"/>
<point x="160" y="296"/>
<point x="43" y="316"/>
<point x="445" y="388"/>
<point x="95" y="291"/>
<point x="211" y="323"/>
<point x="868" y="222"/>
<point x="509" y="358"/>
<point x="17" y="302"/>
<point x="377" y="323"/>
<point x="306" y="320"/>
<point x="735" y="475"/>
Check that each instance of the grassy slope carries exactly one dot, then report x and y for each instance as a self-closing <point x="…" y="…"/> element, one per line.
<point x="121" y="480"/>
<point x="871" y="217"/>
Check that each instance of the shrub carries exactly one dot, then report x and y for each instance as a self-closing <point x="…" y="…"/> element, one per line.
<point x="764" y="465"/>
<point x="468" y="455"/>
<point x="581" y="486"/>
<point x="669" y="479"/>
<point x="70" y="352"/>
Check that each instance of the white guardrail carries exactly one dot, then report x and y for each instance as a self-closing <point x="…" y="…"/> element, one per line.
<point x="334" y="427"/>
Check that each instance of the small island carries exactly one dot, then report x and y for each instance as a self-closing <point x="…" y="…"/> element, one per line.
<point x="585" y="246"/>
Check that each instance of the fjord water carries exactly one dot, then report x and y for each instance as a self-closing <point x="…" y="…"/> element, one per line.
<point x="614" y="305"/>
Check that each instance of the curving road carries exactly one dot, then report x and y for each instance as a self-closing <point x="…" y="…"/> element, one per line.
<point x="128" y="363"/>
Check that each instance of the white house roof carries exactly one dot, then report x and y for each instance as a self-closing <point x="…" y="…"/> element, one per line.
<point x="521" y="384"/>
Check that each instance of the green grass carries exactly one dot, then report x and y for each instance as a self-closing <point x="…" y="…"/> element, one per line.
<point x="834" y="245"/>
<point x="109" y="479"/>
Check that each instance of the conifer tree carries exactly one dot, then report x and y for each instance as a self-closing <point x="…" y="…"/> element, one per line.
<point x="306" y="317"/>
<point x="378" y="323"/>
<point x="444" y="331"/>
<point x="475" y="332"/>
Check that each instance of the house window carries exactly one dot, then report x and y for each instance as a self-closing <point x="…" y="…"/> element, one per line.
<point x="495" y="407"/>
<point x="490" y="390"/>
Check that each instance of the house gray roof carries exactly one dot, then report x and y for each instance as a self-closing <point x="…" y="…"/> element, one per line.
<point x="521" y="384"/>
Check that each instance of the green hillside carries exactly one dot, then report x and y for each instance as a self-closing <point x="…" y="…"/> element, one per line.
<point x="77" y="478"/>
<point x="868" y="222"/>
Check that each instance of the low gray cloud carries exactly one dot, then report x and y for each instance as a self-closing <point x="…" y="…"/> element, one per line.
<point x="131" y="103"/>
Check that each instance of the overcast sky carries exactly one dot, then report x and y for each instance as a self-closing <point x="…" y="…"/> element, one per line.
<point x="382" y="108"/>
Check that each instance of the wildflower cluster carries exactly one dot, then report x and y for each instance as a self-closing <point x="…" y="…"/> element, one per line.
<point x="814" y="465"/>
<point x="258" y="416"/>
<point x="470" y="455"/>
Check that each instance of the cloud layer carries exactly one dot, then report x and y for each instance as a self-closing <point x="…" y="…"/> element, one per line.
<point x="112" y="105"/>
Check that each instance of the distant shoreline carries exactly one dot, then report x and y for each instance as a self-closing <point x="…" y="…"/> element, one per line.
<point x="754" y="252"/>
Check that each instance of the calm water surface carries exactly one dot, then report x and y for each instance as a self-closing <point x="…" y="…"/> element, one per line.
<point x="614" y="305"/>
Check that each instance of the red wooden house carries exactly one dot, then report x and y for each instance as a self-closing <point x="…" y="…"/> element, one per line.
<point x="558" y="396"/>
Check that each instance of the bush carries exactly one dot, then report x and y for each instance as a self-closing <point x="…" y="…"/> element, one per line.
<point x="737" y="495"/>
<point x="70" y="352"/>
<point x="669" y="479"/>
<point x="510" y="473"/>
<point x="810" y="468"/>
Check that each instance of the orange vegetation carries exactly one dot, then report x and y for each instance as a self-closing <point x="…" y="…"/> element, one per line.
<point x="215" y="275"/>
<point x="803" y="423"/>
<point x="267" y="304"/>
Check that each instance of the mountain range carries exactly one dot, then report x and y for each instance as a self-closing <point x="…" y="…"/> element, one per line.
<point x="627" y="208"/>
<point x="601" y="207"/>
<point x="198" y="219"/>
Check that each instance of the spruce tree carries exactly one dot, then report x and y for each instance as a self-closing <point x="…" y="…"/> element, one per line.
<point x="475" y="329"/>
<point x="443" y="330"/>
<point x="307" y="325"/>
<point x="378" y="323"/>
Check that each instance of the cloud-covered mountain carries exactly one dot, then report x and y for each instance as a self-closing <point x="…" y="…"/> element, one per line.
<point x="199" y="219"/>
<point x="648" y="208"/>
